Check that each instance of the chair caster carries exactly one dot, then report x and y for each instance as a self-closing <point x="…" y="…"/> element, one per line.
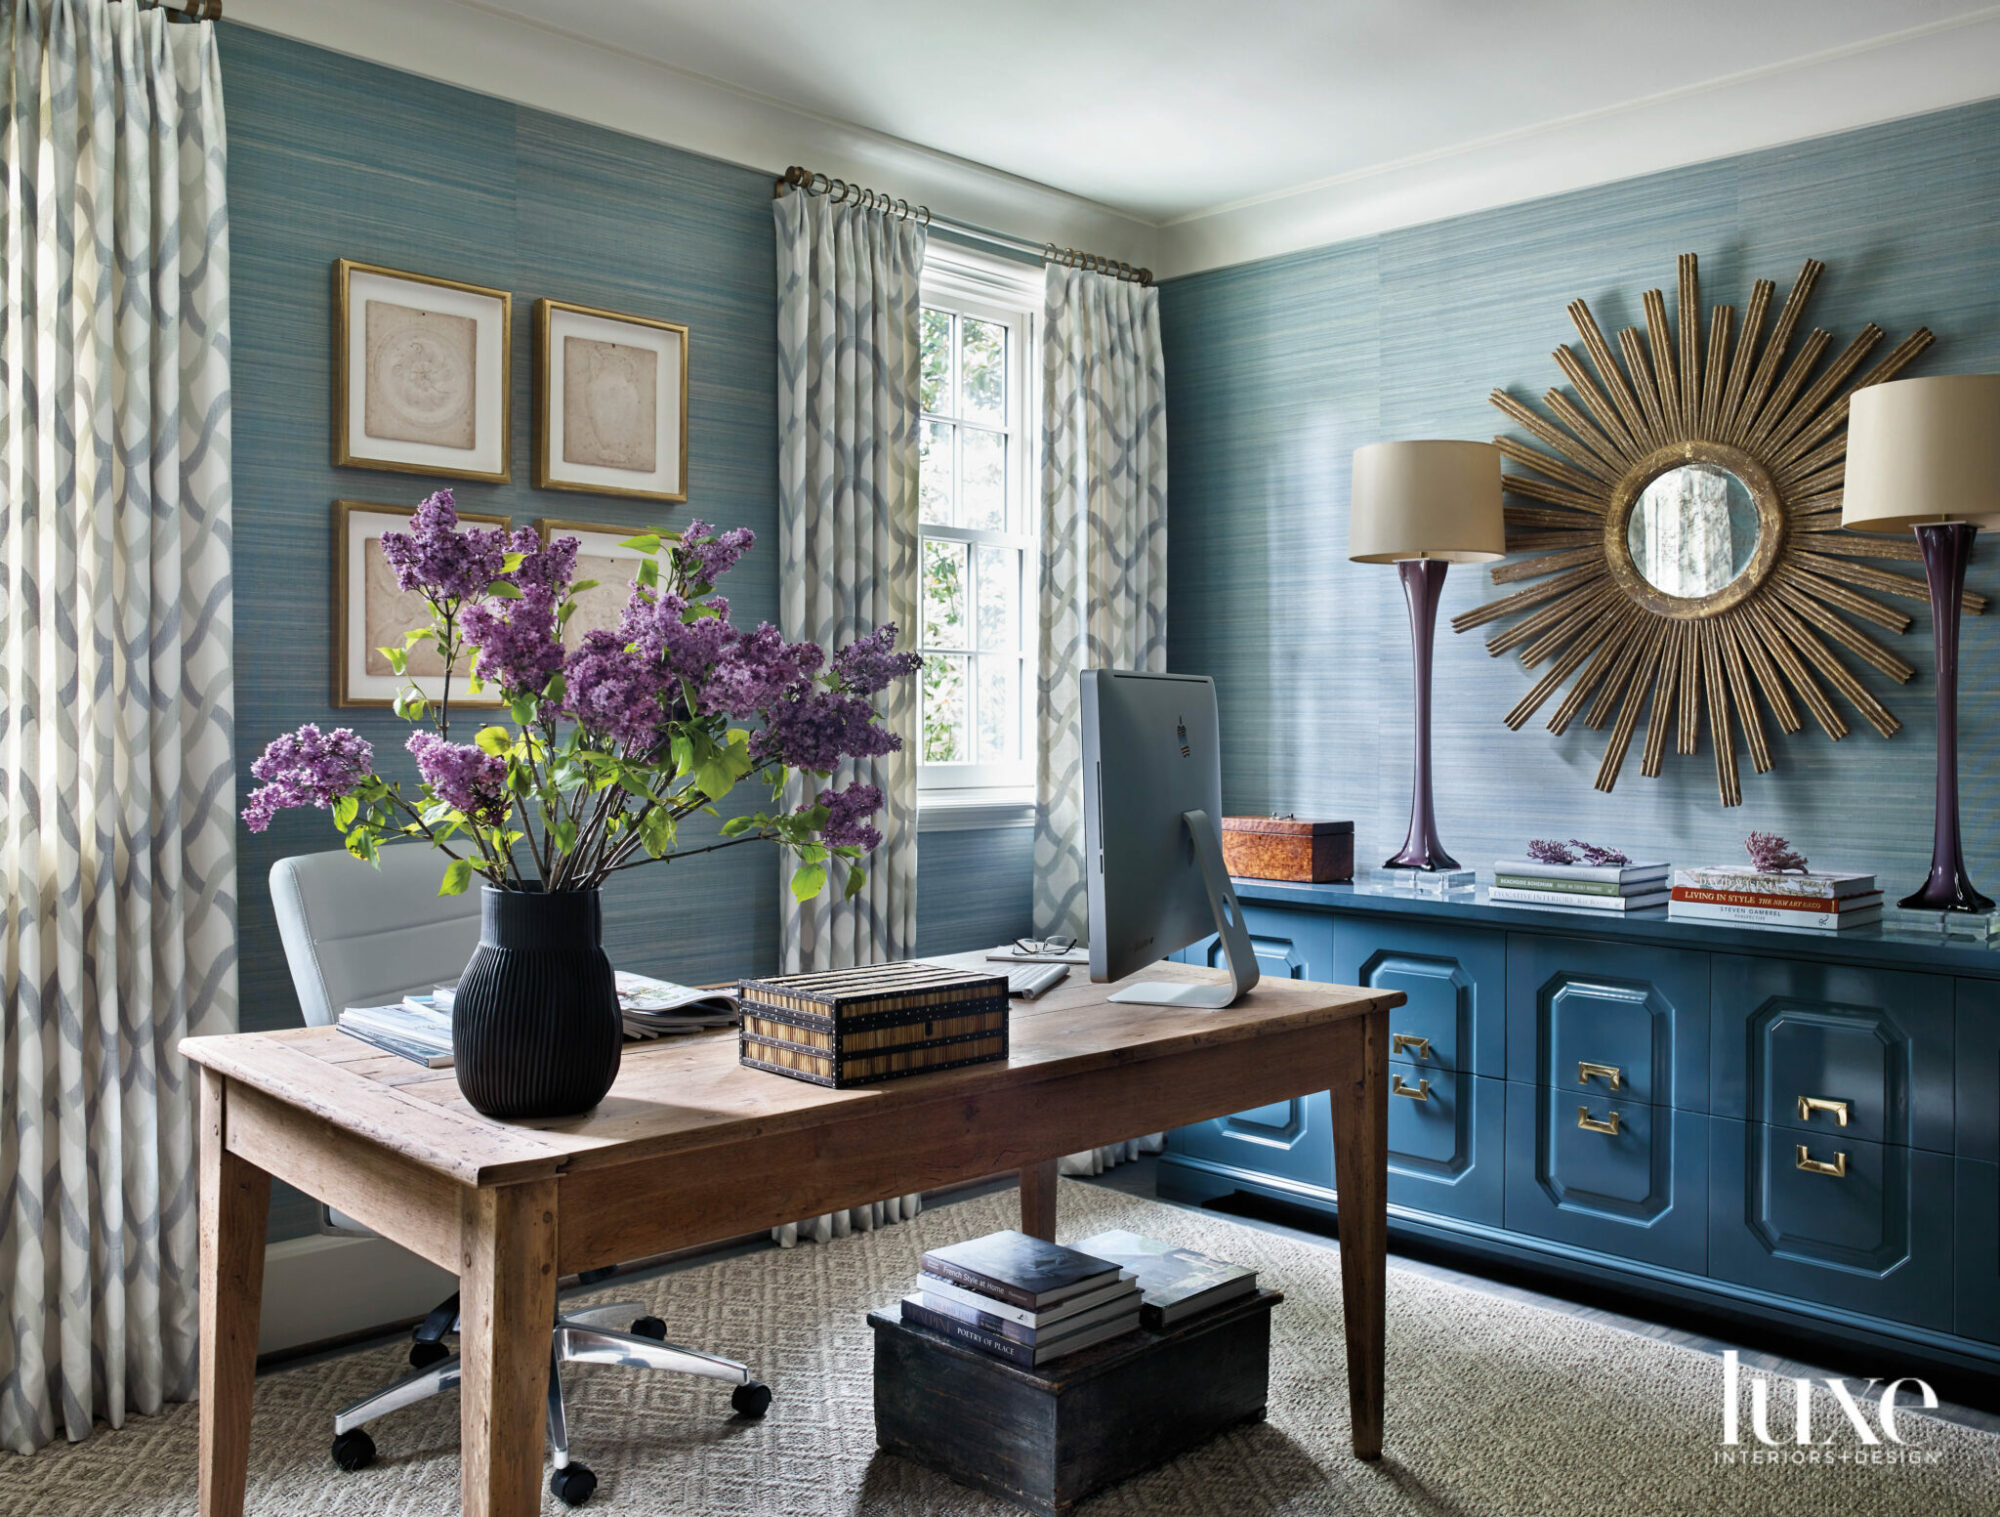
<point x="353" y="1450"/>
<point x="751" y="1400"/>
<point x="425" y="1352"/>
<point x="650" y="1327"/>
<point x="572" y="1485"/>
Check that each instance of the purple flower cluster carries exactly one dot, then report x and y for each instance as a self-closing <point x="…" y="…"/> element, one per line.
<point x="434" y="557"/>
<point x="705" y="555"/>
<point x="1546" y="851"/>
<point x="762" y="669"/>
<point x="615" y="692"/>
<point x="468" y="778"/>
<point x="847" y="813"/>
<point x="816" y="729"/>
<point x="870" y="664"/>
<point x="307" y="768"/>
<point x="659" y="628"/>
<point x="519" y="641"/>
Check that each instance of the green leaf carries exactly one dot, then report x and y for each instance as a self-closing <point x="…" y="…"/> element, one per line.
<point x="410" y="704"/>
<point x="457" y="876"/>
<point x="736" y="826"/>
<point x="857" y="878"/>
<point x="808" y="882"/>
<point x="399" y="661"/>
<point x="502" y="589"/>
<point x="582" y="585"/>
<point x="345" y="810"/>
<point x="522" y="709"/>
<point x="512" y="561"/>
<point x="415" y="635"/>
<point x="649" y="573"/>
<point x="713" y="778"/>
<point x="645" y="542"/>
<point x="494" y="740"/>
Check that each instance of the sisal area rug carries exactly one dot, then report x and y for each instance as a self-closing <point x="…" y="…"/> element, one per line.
<point x="1495" y="1408"/>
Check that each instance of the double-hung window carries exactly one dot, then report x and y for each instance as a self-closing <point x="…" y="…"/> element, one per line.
<point x="978" y="567"/>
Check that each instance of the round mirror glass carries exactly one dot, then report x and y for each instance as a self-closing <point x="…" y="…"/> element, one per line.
<point x="1693" y="530"/>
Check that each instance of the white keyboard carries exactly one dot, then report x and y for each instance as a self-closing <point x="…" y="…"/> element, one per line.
<point x="1030" y="980"/>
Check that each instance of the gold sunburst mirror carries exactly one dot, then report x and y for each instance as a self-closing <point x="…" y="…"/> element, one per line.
<point x="1684" y="534"/>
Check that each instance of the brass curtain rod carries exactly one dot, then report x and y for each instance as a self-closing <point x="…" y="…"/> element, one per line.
<point x="840" y="191"/>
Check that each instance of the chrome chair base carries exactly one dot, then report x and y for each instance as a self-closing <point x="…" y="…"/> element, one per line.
<point x="579" y="1337"/>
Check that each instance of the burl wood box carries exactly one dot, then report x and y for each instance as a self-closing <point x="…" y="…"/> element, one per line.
<point x="1285" y="848"/>
<point x="1048" y="1438"/>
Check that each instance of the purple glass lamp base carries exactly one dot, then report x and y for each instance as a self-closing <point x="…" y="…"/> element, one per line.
<point x="1423" y="580"/>
<point x="1947" y="548"/>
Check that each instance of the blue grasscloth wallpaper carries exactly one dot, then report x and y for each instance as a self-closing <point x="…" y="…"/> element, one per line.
<point x="330" y="158"/>
<point x="1277" y="371"/>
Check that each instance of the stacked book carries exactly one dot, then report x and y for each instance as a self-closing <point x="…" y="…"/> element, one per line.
<point x="1023" y="1300"/>
<point x="1174" y="1283"/>
<point x="1594" y="887"/>
<point x="1815" y="901"/>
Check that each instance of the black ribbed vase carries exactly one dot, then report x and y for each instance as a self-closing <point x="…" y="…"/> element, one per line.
<point x="535" y="1029"/>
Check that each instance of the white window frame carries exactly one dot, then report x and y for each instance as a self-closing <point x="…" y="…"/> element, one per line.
<point x="968" y="795"/>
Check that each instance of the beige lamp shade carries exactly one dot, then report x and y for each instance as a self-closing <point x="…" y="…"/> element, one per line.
<point x="1426" y="500"/>
<point x="1923" y="450"/>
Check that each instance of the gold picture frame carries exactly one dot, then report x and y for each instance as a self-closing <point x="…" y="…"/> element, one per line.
<point x="366" y="609"/>
<point x="603" y="604"/>
<point x="612" y="417"/>
<point x="1752" y="435"/>
<point x="428" y="387"/>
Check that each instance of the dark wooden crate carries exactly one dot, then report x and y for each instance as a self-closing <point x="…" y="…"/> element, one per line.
<point x="1048" y="1438"/>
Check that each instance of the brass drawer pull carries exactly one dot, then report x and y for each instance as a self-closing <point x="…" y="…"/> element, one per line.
<point x="1421" y="1091"/>
<point x="1605" y="1072"/>
<point x="1409" y="1042"/>
<point x="1588" y="1123"/>
<point x="1838" y="1168"/>
<point x="1810" y="1104"/>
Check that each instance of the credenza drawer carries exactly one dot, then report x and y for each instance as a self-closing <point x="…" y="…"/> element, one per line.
<point x="1977" y="1219"/>
<point x="1578" y="1010"/>
<point x="1447" y="1135"/>
<point x="1455" y="981"/>
<point x="1834" y="1220"/>
<point x="1637" y="1191"/>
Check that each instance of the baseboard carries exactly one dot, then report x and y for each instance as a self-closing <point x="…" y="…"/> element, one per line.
<point x="322" y="1288"/>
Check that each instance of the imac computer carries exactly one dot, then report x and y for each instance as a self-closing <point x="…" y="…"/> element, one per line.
<point x="1152" y="804"/>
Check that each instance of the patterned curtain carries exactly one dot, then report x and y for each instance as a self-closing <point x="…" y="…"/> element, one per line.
<point x="115" y="699"/>
<point x="848" y="359"/>
<point x="1104" y="559"/>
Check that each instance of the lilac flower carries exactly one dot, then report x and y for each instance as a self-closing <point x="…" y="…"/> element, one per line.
<point x="307" y="768"/>
<point x="434" y="557"/>
<point x="705" y="555"/>
<point x="462" y="776"/>
<point x="615" y="693"/>
<point x="519" y="642"/>
<point x="817" y="730"/>
<point x="761" y="669"/>
<point x="658" y="626"/>
<point x="847" y="813"/>
<point x="1542" y="851"/>
<point x="869" y="664"/>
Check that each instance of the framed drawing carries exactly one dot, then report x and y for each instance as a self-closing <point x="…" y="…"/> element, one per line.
<point x="369" y="612"/>
<point x="599" y="556"/>
<point x="421" y="374"/>
<point x="610" y="403"/>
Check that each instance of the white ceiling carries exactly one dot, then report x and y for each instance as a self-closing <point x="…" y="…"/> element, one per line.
<point x="1176" y="108"/>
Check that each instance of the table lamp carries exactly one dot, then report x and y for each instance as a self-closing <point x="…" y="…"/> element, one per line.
<point x="1424" y="506"/>
<point x="1925" y="453"/>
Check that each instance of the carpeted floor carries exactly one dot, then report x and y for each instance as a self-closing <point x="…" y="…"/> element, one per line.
<point x="1495" y="1408"/>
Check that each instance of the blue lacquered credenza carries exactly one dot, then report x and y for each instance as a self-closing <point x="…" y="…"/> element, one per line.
<point x="1785" y="1126"/>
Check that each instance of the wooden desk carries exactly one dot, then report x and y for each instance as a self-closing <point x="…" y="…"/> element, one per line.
<point x="690" y="1147"/>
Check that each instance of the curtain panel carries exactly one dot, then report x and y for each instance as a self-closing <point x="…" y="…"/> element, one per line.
<point x="1104" y="562"/>
<point x="116" y="764"/>
<point x="849" y="349"/>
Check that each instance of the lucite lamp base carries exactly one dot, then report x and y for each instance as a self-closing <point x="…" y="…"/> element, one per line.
<point x="1423" y="580"/>
<point x="1947" y="548"/>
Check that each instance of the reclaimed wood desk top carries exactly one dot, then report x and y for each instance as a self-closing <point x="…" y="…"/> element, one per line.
<point x="690" y="1092"/>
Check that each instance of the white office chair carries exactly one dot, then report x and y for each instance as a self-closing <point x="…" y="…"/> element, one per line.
<point x="356" y="936"/>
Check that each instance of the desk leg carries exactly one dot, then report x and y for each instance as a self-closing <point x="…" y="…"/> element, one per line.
<point x="235" y="1200"/>
<point x="1038" y="1200"/>
<point x="1361" y="1170"/>
<point x="507" y="1307"/>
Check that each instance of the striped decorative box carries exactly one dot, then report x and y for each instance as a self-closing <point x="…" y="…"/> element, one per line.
<point x="849" y="1027"/>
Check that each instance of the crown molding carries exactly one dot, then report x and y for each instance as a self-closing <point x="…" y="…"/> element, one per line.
<point x="498" y="54"/>
<point x="1904" y="74"/>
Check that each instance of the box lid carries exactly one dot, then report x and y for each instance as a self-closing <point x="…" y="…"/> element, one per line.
<point x="1284" y="826"/>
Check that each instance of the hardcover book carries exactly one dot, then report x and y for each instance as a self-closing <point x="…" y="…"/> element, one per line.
<point x="1656" y="897"/>
<point x="936" y="1289"/>
<point x="1616" y="874"/>
<point x="1576" y="887"/>
<point x="1121" y="1304"/>
<point x="1027" y="1355"/>
<point x="1022" y="1271"/>
<point x="1811" y="905"/>
<point x="1821" y="884"/>
<point x="1177" y="1282"/>
<point x="1786" y="917"/>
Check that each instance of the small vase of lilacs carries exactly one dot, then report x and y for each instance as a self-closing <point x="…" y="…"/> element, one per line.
<point x="609" y="745"/>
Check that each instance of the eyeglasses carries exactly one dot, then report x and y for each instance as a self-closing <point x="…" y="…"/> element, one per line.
<point x="1045" y="945"/>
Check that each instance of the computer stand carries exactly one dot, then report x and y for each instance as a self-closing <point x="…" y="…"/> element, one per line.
<point x="1228" y="925"/>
